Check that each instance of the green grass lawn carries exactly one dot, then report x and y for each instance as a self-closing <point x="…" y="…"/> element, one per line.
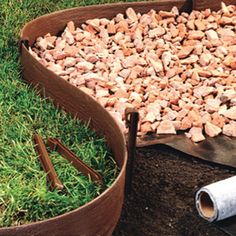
<point x="24" y="195"/>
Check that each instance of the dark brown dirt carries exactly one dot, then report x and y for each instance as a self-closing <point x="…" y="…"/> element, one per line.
<point x="162" y="200"/>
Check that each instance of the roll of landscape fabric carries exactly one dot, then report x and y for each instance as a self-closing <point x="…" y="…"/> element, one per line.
<point x="217" y="201"/>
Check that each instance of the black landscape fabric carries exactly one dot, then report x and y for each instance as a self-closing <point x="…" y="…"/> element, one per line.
<point x="220" y="149"/>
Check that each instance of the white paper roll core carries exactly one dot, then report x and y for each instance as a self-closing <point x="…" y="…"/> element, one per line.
<point x="217" y="201"/>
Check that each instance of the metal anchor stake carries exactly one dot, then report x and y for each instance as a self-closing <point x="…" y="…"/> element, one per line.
<point x="52" y="177"/>
<point x="131" y="118"/>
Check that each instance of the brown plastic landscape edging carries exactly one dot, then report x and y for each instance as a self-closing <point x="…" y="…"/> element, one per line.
<point x="99" y="216"/>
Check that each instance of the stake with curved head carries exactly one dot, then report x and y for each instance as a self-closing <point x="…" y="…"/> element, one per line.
<point x="46" y="163"/>
<point x="23" y="42"/>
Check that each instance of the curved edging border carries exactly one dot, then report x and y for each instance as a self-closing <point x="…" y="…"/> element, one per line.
<point x="99" y="216"/>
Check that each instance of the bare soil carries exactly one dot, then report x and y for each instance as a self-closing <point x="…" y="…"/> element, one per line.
<point x="162" y="200"/>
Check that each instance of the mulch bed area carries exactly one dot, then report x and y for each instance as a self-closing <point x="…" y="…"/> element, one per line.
<point x="162" y="200"/>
